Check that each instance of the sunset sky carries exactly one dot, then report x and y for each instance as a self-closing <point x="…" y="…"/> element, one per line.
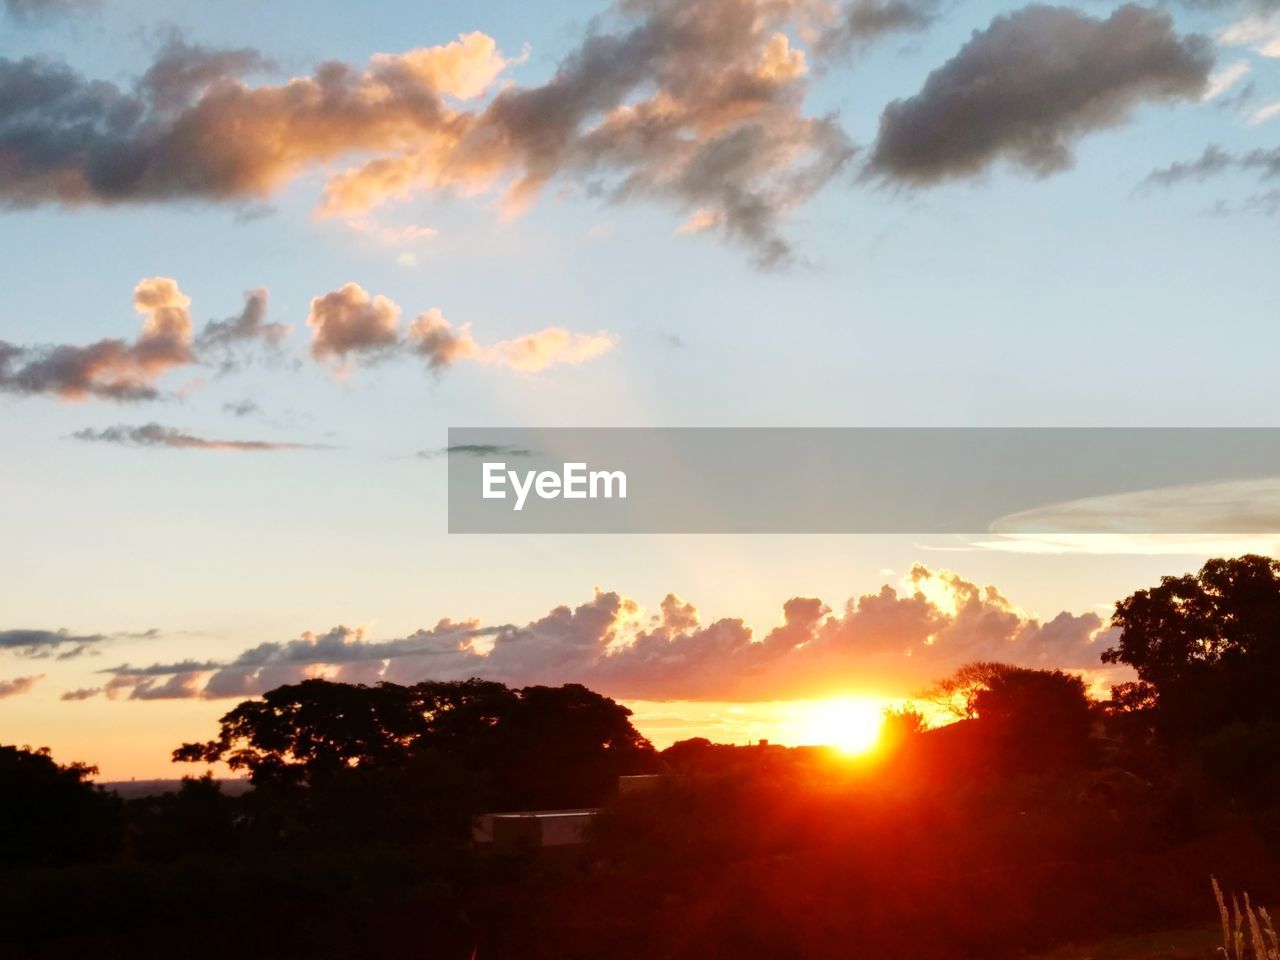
<point x="259" y="255"/>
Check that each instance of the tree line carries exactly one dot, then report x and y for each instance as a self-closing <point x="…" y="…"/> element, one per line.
<point x="1039" y="815"/>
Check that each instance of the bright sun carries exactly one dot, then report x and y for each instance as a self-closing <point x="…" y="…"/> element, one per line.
<point x="850" y="725"/>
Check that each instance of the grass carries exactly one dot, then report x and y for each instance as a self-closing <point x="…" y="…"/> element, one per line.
<point x="1198" y="943"/>
<point x="1247" y="931"/>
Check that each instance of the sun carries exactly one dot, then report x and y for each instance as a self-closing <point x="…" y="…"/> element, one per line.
<point x="850" y="725"/>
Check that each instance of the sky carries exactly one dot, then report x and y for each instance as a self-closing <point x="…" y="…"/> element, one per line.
<point x="259" y="256"/>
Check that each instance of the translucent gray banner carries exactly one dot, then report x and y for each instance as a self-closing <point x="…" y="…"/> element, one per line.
<point x="859" y="480"/>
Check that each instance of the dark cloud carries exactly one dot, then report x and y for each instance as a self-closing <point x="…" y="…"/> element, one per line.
<point x="155" y="435"/>
<point x="892" y="642"/>
<point x="179" y="686"/>
<point x="221" y="339"/>
<point x="698" y="105"/>
<point x="1032" y="84"/>
<point x="44" y="643"/>
<point x="182" y="72"/>
<point x="18" y="685"/>
<point x="162" y="669"/>
<point x="862" y="22"/>
<point x="476" y="450"/>
<point x="1214" y="162"/>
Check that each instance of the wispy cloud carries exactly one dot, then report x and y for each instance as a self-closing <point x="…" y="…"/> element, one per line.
<point x="476" y="450"/>
<point x="1268" y="111"/>
<point x="35" y="644"/>
<point x="155" y="435"/>
<point x="18" y="685"/>
<point x="1222" y="80"/>
<point x="81" y="693"/>
<point x="1261" y="32"/>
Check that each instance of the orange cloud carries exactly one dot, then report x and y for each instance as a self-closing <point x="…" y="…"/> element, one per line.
<point x="119" y="370"/>
<point x="698" y="105"/>
<point x="892" y="642"/>
<point x="351" y="324"/>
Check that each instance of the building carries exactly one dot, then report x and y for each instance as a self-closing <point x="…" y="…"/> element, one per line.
<point x="532" y="829"/>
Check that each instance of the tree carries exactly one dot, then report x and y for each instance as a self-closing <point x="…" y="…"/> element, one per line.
<point x="197" y="819"/>
<point x="536" y="746"/>
<point x="52" y="814"/>
<point x="957" y="694"/>
<point x="1025" y="719"/>
<point x="902" y="725"/>
<point x="1207" y="645"/>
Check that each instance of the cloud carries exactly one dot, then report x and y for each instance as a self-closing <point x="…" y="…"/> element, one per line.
<point x="82" y="693"/>
<point x="890" y="642"/>
<point x="1265" y="112"/>
<point x="192" y="128"/>
<point x="537" y="351"/>
<point x="1213" y="162"/>
<point x="695" y="105"/>
<point x="349" y="325"/>
<point x="1032" y="84"/>
<point x="241" y="408"/>
<point x="1220" y="81"/>
<point x="1260" y="31"/>
<point x="476" y="450"/>
<point x="110" y="369"/>
<point x="249" y="327"/>
<point x="862" y="22"/>
<point x="391" y="236"/>
<point x="121" y="370"/>
<point x="155" y="435"/>
<point x="1247" y="507"/>
<point x="29" y="11"/>
<point x="37" y="644"/>
<point x="18" y="685"/>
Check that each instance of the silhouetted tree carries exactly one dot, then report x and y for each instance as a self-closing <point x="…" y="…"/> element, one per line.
<point x="1205" y="646"/>
<point x="52" y="814"/>
<point x="1024" y="719"/>
<point x="537" y="746"/>
<point x="957" y="694"/>
<point x="197" y="819"/>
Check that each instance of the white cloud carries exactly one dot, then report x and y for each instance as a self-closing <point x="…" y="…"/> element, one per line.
<point x="1262" y="33"/>
<point x="1265" y="112"/>
<point x="1220" y="81"/>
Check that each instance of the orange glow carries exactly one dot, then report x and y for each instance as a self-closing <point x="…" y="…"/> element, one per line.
<point x="851" y="725"/>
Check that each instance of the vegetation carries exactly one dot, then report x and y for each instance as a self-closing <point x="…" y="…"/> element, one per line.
<point x="1038" y="818"/>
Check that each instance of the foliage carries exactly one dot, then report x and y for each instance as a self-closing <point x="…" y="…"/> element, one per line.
<point x="1205" y="646"/>
<point x="51" y="814"/>
<point x="538" y="746"/>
